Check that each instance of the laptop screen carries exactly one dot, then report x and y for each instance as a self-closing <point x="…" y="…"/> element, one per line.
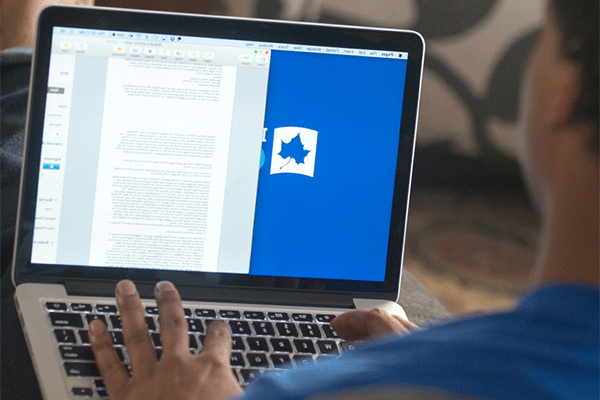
<point x="217" y="152"/>
<point x="214" y="155"/>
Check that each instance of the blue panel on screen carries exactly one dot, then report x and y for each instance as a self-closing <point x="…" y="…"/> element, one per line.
<point x="325" y="195"/>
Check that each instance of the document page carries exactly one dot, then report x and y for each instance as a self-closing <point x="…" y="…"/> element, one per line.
<point x="162" y="165"/>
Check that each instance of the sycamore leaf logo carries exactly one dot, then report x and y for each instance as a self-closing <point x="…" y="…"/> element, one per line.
<point x="294" y="151"/>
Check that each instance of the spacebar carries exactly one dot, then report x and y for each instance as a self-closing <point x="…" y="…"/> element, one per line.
<point x="81" y="369"/>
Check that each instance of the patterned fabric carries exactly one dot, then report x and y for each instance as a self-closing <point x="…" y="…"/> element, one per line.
<point x="15" y="65"/>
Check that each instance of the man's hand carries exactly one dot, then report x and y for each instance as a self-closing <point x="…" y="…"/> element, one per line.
<point x="178" y="374"/>
<point x="362" y="324"/>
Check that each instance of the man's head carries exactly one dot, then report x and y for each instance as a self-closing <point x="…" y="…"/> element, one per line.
<point x="578" y="25"/>
<point x="560" y="103"/>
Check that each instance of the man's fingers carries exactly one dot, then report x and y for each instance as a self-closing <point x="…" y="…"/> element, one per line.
<point x="361" y="324"/>
<point x="112" y="370"/>
<point x="407" y="324"/>
<point x="217" y="344"/>
<point x="173" y="326"/>
<point x="135" y="329"/>
<point x="349" y="326"/>
<point x="379" y="322"/>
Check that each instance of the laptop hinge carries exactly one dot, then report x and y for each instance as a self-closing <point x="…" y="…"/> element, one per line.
<point x="227" y="295"/>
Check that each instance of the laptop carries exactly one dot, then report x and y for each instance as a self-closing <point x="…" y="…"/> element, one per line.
<point x="263" y="167"/>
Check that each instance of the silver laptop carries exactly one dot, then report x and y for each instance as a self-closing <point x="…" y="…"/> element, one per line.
<point x="263" y="167"/>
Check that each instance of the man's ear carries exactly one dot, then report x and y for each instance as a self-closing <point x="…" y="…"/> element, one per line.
<point x="561" y="112"/>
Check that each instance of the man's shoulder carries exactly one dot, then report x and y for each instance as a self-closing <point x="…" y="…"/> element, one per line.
<point x="522" y="352"/>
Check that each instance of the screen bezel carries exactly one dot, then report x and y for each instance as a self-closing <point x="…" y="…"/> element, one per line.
<point x="231" y="28"/>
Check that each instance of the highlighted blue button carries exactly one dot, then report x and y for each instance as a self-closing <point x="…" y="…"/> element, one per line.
<point x="51" y="166"/>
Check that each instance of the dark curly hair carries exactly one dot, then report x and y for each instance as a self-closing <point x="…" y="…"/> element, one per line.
<point x="578" y="24"/>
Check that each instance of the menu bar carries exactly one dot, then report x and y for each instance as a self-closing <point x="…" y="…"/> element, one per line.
<point x="153" y="37"/>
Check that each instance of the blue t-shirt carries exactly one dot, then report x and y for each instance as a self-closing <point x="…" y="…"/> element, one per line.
<point x="547" y="348"/>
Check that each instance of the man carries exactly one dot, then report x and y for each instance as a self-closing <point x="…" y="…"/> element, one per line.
<point x="546" y="348"/>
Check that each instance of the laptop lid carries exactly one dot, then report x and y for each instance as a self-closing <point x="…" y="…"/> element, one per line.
<point x="240" y="156"/>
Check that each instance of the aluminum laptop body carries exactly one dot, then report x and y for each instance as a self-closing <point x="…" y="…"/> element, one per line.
<point x="263" y="167"/>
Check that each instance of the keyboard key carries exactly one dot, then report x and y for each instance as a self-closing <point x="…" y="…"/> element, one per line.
<point x="257" y="344"/>
<point x="83" y="353"/>
<point x="81" y="369"/>
<point x="254" y="315"/>
<point x="310" y="330"/>
<point x="187" y="312"/>
<point x="92" y="317"/>
<point x="152" y="310"/>
<point x="195" y="325"/>
<point x="205" y="313"/>
<point x="158" y="353"/>
<point x="281" y="345"/>
<point x="65" y="336"/>
<point x="81" y="392"/>
<point x="239" y="327"/>
<point x="81" y="307"/>
<point x="329" y="332"/>
<point x="230" y="314"/>
<point x="237" y="360"/>
<point x="257" y="360"/>
<point x="302" y="361"/>
<point x="327" y="347"/>
<point x="302" y="317"/>
<point x="193" y="342"/>
<point x="277" y="316"/>
<point x="120" y="353"/>
<point x="235" y="374"/>
<point x="281" y="361"/>
<point x="84" y="337"/>
<point x="263" y="328"/>
<point x="156" y="339"/>
<point x="50" y="306"/>
<point x="237" y="343"/>
<point x="348" y="346"/>
<point x="106" y="308"/>
<point x="150" y="323"/>
<point x="249" y="374"/>
<point x="325" y="318"/>
<point x="117" y="338"/>
<point x="99" y="384"/>
<point x="102" y="393"/>
<point x="304" y="346"/>
<point x="115" y="321"/>
<point x="66" y="320"/>
<point x="286" y="329"/>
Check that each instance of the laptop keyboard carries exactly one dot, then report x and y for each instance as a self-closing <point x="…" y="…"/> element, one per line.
<point x="261" y="341"/>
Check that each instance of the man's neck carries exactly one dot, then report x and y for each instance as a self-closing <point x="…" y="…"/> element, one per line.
<point x="569" y="250"/>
